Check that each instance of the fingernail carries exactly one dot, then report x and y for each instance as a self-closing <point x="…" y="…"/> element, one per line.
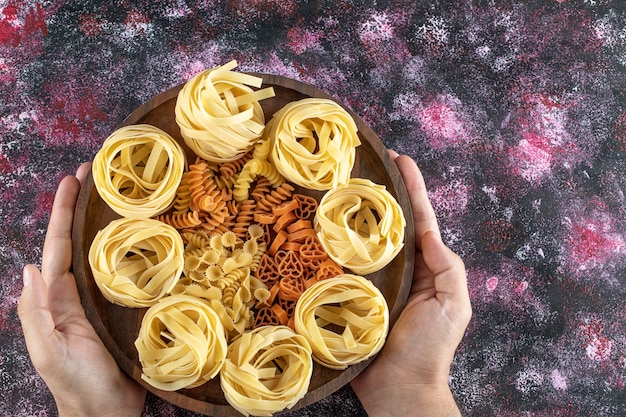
<point x="26" y="276"/>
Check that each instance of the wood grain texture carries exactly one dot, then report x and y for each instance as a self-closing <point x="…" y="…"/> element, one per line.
<point x="118" y="326"/>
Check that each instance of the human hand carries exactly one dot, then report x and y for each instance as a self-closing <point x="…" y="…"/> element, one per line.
<point x="410" y="375"/>
<point x="63" y="346"/>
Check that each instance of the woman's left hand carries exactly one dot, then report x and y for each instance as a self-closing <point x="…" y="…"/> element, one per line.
<point x="63" y="346"/>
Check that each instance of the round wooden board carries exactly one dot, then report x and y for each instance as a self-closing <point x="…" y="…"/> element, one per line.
<point x="118" y="326"/>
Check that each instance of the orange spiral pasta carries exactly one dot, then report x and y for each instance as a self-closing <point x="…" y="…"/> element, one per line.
<point x="267" y="370"/>
<point x="211" y="221"/>
<point x="275" y="196"/>
<point x="360" y="225"/>
<point x="219" y="115"/>
<point x="345" y="320"/>
<point x="261" y="188"/>
<point x="314" y="143"/>
<point x="135" y="262"/>
<point x="203" y="189"/>
<point x="137" y="170"/>
<point x="181" y="343"/>
<point x="181" y="221"/>
<point x="244" y="218"/>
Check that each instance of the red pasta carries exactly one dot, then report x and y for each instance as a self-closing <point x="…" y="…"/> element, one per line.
<point x="265" y="316"/>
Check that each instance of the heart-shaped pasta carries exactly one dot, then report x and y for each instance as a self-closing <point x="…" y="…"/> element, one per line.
<point x="219" y="116"/>
<point x="360" y="225"/>
<point x="314" y="143"/>
<point x="345" y="319"/>
<point x="266" y="370"/>
<point x="137" y="170"/>
<point x="181" y="343"/>
<point x="135" y="262"/>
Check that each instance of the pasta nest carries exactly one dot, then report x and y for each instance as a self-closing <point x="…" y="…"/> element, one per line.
<point x="266" y="370"/>
<point x="135" y="262"/>
<point x="181" y="343"/>
<point x="314" y="143"/>
<point x="137" y="170"/>
<point x="360" y="225"/>
<point x="219" y="115"/>
<point x="345" y="319"/>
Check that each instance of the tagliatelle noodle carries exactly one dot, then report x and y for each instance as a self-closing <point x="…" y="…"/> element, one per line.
<point x="360" y="225"/>
<point x="181" y="343"/>
<point x="219" y="115"/>
<point x="137" y="170"/>
<point x="135" y="262"/>
<point x="313" y="143"/>
<point x="345" y="319"/>
<point x="266" y="370"/>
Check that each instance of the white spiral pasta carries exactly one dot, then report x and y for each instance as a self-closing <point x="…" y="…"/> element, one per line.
<point x="360" y="225"/>
<point x="137" y="170"/>
<point x="266" y="370"/>
<point x="314" y="143"/>
<point x="345" y="319"/>
<point x="135" y="262"/>
<point x="219" y="116"/>
<point x="181" y="343"/>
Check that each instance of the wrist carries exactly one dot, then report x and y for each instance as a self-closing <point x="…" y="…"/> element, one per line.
<point x="70" y="411"/>
<point x="415" y="400"/>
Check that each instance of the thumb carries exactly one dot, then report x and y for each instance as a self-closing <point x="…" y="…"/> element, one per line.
<point x="449" y="271"/>
<point x="37" y="323"/>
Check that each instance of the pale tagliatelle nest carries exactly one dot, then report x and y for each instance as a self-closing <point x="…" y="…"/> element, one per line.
<point x="137" y="170"/>
<point x="266" y="370"/>
<point x="360" y="225"/>
<point x="136" y="262"/>
<point x="181" y="343"/>
<point x="313" y="143"/>
<point x="219" y="115"/>
<point x="345" y="320"/>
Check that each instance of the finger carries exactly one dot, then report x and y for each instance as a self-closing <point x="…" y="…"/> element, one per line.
<point x="448" y="269"/>
<point x="424" y="216"/>
<point x="82" y="171"/>
<point x="393" y="153"/>
<point x="37" y="322"/>
<point x="57" y="251"/>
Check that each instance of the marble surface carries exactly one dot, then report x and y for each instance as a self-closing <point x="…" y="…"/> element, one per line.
<point x="515" y="111"/>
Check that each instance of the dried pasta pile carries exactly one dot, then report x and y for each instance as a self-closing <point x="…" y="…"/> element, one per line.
<point x="240" y="274"/>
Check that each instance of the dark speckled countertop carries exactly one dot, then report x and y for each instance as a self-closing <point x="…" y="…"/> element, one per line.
<point x="515" y="111"/>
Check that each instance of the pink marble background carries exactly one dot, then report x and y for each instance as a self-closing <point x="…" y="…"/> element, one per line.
<point x="515" y="111"/>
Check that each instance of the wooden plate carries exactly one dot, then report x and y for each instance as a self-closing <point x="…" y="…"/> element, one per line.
<point x="118" y="326"/>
